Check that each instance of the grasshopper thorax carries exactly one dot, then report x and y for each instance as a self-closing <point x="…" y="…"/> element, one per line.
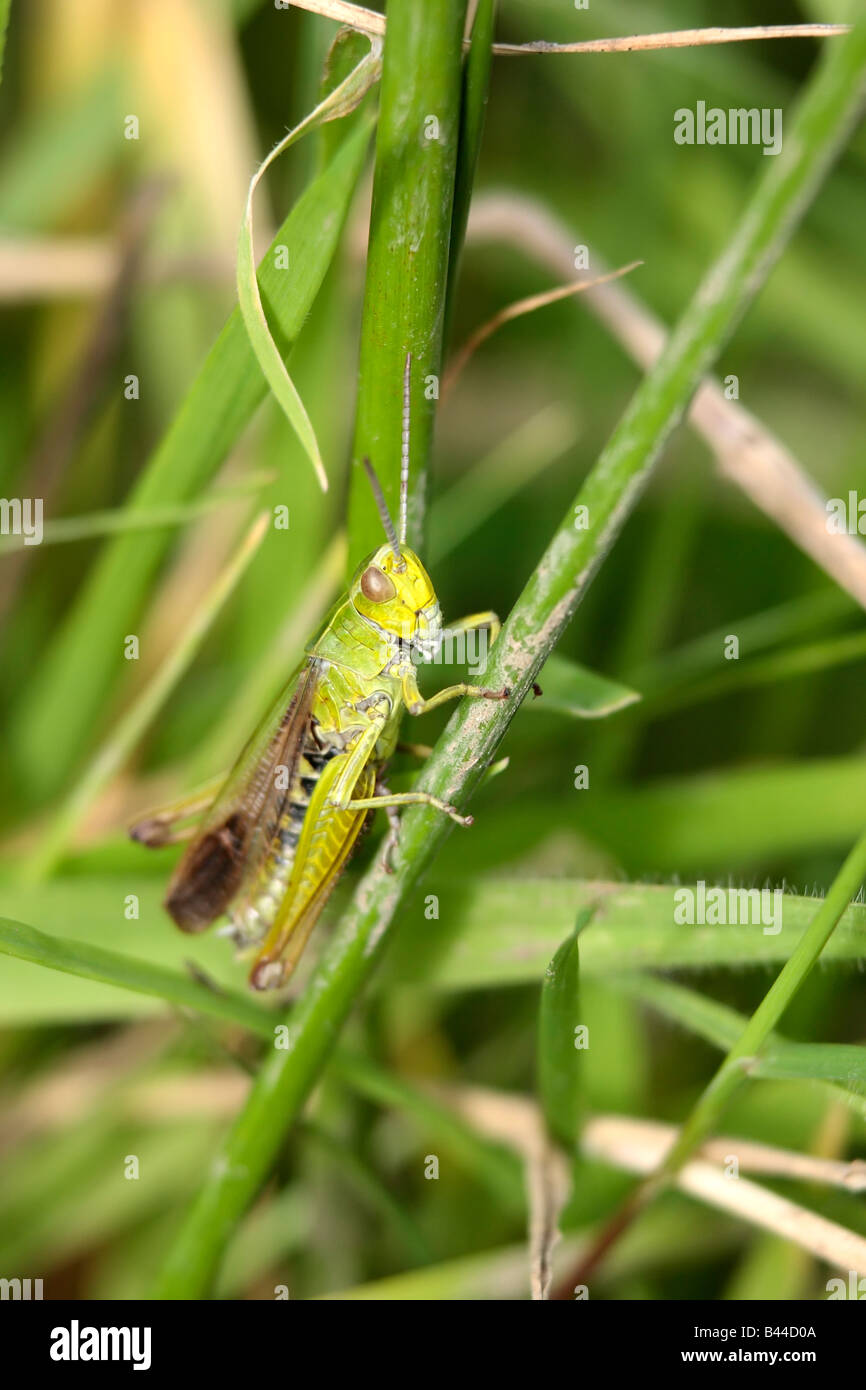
<point x="392" y="591"/>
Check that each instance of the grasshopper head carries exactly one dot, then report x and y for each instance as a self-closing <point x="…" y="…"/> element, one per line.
<point x="392" y="590"/>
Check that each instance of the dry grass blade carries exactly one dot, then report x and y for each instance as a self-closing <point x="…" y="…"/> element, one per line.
<point x="518" y="1122"/>
<point x="647" y="1140"/>
<point x="517" y="310"/>
<point x="639" y="1147"/>
<point x="371" y="22"/>
<point x="678" y="38"/>
<point x="747" y="453"/>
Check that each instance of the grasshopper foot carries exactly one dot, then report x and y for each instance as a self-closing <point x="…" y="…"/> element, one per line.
<point x="392" y="839"/>
<point x="267" y="974"/>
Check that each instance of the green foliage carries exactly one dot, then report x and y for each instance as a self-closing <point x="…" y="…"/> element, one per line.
<point x="75" y="677"/>
<point x="558" y="1051"/>
<point x="407" y="258"/>
<point x="120" y="1035"/>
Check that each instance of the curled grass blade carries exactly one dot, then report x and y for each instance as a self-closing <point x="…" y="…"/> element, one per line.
<point x="343" y="99"/>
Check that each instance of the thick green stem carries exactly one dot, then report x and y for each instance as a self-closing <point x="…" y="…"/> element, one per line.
<point x="535" y="624"/>
<point x="407" y="260"/>
<point x="5" y="6"/>
<point x="473" y="108"/>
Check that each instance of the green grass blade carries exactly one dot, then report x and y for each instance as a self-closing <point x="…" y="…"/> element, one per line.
<point x="779" y="1060"/>
<point x="115" y="521"/>
<point x="569" y="688"/>
<point x="58" y="153"/>
<point x="372" y="1191"/>
<point x="407" y="258"/>
<point x="511" y="465"/>
<point x="4" y="22"/>
<point x="119" y="911"/>
<point x="499" y="1274"/>
<point x="504" y="930"/>
<point x="769" y="670"/>
<point x="699" y="659"/>
<point x="499" y="932"/>
<point x="734" y="816"/>
<point x="558" y="1053"/>
<point x="733" y="1070"/>
<point x="347" y="50"/>
<point x="492" y="1164"/>
<point x="142" y="712"/>
<point x="343" y="99"/>
<point x="58" y="712"/>
<point x="111" y="968"/>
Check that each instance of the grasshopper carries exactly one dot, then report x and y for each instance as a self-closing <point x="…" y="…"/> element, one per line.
<point x="270" y="847"/>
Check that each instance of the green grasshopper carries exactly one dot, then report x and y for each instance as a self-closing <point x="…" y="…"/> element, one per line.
<point x="269" y="849"/>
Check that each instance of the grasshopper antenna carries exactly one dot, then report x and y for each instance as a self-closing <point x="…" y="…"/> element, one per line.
<point x="404" y="450"/>
<point x="384" y="514"/>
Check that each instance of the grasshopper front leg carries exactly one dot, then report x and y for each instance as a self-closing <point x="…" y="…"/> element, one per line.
<point x="414" y="700"/>
<point x="416" y="704"/>
<point x="475" y="621"/>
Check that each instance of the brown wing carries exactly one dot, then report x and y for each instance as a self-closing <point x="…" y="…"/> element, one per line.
<point x="237" y="831"/>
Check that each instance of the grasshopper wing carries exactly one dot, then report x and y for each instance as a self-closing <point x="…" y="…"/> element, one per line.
<point x="237" y="831"/>
<point x="327" y="840"/>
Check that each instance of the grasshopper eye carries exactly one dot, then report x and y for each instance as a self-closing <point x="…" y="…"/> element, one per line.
<point x="376" y="586"/>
